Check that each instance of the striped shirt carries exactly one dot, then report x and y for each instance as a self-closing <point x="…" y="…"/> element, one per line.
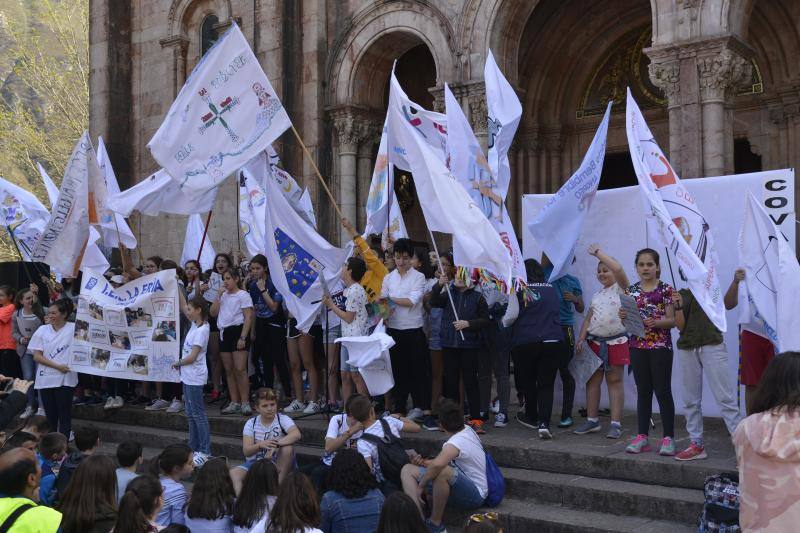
<point x="175" y="497"/>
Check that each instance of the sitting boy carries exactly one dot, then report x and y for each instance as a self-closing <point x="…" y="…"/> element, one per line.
<point x="362" y="410"/>
<point x="462" y="485"/>
<point x="130" y="458"/>
<point x="343" y="432"/>
<point x="52" y="449"/>
<point x="87" y="440"/>
<point x="268" y="434"/>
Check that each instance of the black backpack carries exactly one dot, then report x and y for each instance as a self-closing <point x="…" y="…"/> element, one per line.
<point x="721" y="508"/>
<point x="392" y="454"/>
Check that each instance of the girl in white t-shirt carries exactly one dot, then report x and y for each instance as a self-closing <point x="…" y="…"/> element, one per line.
<point x="607" y="338"/>
<point x="233" y="309"/>
<point x="194" y="375"/>
<point x="56" y="382"/>
<point x="210" y="290"/>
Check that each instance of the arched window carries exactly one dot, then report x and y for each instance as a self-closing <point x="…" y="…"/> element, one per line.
<point x="208" y="35"/>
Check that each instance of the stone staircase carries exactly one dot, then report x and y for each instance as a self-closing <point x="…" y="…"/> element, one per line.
<point x="569" y="484"/>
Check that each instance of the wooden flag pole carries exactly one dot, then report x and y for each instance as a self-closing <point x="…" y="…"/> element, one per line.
<point x="203" y="240"/>
<point x="447" y="287"/>
<point x="319" y="176"/>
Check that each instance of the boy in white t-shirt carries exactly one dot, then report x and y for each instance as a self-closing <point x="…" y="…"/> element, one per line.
<point x="269" y="435"/>
<point x="457" y="476"/>
<point x="343" y="433"/>
<point x="194" y="375"/>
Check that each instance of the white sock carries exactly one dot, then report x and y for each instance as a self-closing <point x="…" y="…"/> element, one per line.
<point x="616" y="423"/>
<point x="590" y="419"/>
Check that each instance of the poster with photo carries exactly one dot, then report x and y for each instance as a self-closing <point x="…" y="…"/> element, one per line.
<point x="131" y="332"/>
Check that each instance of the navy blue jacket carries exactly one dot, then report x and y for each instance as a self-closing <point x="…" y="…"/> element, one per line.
<point x="470" y="306"/>
<point x="538" y="319"/>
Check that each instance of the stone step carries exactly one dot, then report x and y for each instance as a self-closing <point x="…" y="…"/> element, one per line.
<point x="514" y="446"/>
<point x="567" y="491"/>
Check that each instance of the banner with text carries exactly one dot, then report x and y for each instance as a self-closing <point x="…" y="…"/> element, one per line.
<point x="131" y="332"/>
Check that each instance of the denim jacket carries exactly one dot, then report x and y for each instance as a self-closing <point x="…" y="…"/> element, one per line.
<point x="356" y="515"/>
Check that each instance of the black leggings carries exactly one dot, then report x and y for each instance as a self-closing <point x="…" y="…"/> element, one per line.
<point x="567" y="381"/>
<point x="535" y="367"/>
<point x="463" y="362"/>
<point x="57" y="403"/>
<point x="270" y="347"/>
<point x="652" y="371"/>
<point x="411" y="366"/>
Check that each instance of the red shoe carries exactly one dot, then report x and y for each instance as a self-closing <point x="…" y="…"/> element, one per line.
<point x="692" y="452"/>
<point x="215" y="394"/>
<point x="477" y="426"/>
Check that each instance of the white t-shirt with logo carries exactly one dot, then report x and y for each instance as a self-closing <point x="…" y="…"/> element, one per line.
<point x="368" y="449"/>
<point x="230" y="308"/>
<point x="471" y="459"/>
<point x="256" y="429"/>
<point x="54" y="346"/>
<point x="197" y="372"/>
<point x="337" y="427"/>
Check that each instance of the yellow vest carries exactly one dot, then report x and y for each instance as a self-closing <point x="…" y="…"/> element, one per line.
<point x="39" y="519"/>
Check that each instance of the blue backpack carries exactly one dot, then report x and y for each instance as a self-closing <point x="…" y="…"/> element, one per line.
<point x="495" y="482"/>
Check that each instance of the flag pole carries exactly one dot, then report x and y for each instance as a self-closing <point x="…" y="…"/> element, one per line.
<point x="447" y="287"/>
<point x="19" y="253"/>
<point x="316" y="170"/>
<point x="203" y="240"/>
<point x="389" y="193"/>
<point x="238" y="220"/>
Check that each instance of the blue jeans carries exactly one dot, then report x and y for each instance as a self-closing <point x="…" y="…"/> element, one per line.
<point x="463" y="492"/>
<point x="29" y="374"/>
<point x="199" y="432"/>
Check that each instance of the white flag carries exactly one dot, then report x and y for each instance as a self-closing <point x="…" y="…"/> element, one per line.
<point x="225" y="114"/>
<point x="371" y="355"/>
<point x="110" y="226"/>
<point x="266" y="165"/>
<point x="52" y="190"/>
<point x="252" y="207"/>
<point x="24" y="216"/>
<point x="470" y="167"/>
<point x="191" y="243"/>
<point x="681" y="227"/>
<point x="447" y="207"/>
<point x="300" y="260"/>
<point x="558" y="225"/>
<point x="307" y="207"/>
<point x="772" y="275"/>
<point x="93" y="258"/>
<point x="158" y="193"/>
<point x="63" y="241"/>
<point x="505" y="112"/>
<point x="383" y="212"/>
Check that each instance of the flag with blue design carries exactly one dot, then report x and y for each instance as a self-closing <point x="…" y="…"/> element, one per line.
<point x="300" y="259"/>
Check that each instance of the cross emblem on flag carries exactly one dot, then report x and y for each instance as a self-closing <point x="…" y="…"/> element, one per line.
<point x="215" y="115"/>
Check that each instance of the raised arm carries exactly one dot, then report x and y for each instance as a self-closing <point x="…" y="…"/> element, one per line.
<point x="732" y="294"/>
<point x="613" y="265"/>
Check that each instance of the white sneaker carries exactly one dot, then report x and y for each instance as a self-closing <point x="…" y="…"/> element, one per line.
<point x="295" y="407"/>
<point x="109" y="403"/>
<point x="415" y="414"/>
<point x="233" y="408"/>
<point x="40" y="412"/>
<point x="157" y="405"/>
<point x="118" y="402"/>
<point x="26" y="413"/>
<point x="200" y="459"/>
<point x="495" y="407"/>
<point x="246" y="409"/>
<point x="71" y="436"/>
<point x="176" y="406"/>
<point x="312" y="408"/>
<point x="500" y="420"/>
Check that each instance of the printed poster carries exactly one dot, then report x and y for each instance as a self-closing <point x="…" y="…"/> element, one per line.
<point x="131" y="332"/>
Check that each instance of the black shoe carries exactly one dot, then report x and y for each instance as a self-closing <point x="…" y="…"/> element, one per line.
<point x="523" y="419"/>
<point x="429" y="423"/>
<point x="544" y="432"/>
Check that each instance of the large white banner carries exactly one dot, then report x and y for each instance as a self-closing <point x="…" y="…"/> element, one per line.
<point x="617" y="222"/>
<point x="225" y="114"/>
<point x="131" y="332"/>
<point x="384" y="217"/>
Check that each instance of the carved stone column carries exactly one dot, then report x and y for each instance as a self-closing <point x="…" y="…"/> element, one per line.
<point x="530" y="181"/>
<point x="666" y="75"/>
<point x="370" y="138"/>
<point x="478" y="113"/>
<point x="347" y="139"/>
<point x="720" y="74"/>
<point x="555" y="145"/>
<point x="180" y="46"/>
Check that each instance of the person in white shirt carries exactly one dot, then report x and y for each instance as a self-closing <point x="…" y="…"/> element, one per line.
<point x="194" y="375"/>
<point x="54" y="379"/>
<point x="403" y="290"/>
<point x="233" y="309"/>
<point x="457" y="476"/>
<point x="355" y="322"/>
<point x="343" y="433"/>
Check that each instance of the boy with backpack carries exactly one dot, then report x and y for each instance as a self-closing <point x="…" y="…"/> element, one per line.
<point x="380" y="442"/>
<point x="458" y="477"/>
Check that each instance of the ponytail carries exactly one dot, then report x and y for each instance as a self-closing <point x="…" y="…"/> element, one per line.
<point x="172" y="457"/>
<point x="138" y="504"/>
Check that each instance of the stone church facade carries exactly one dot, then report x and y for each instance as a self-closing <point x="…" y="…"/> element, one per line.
<point x="718" y="82"/>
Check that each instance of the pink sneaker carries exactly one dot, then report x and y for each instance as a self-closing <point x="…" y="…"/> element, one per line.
<point x="639" y="444"/>
<point x="666" y="446"/>
<point x="692" y="452"/>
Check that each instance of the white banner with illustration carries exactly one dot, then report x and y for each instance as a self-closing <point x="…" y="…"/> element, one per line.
<point x="621" y="231"/>
<point x="131" y="332"/>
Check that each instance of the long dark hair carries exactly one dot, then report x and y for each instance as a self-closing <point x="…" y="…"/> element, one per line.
<point x="227" y="258"/>
<point x="780" y="385"/>
<point x="424" y="262"/>
<point x="138" y="504"/>
<point x="91" y="492"/>
<point x="350" y="476"/>
<point x="260" y="482"/>
<point x="400" y="515"/>
<point x="212" y="495"/>
<point x="36" y="307"/>
<point x="296" y="507"/>
<point x="652" y="253"/>
<point x="172" y="457"/>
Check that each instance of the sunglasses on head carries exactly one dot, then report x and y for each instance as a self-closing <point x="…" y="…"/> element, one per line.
<point x="491" y="516"/>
